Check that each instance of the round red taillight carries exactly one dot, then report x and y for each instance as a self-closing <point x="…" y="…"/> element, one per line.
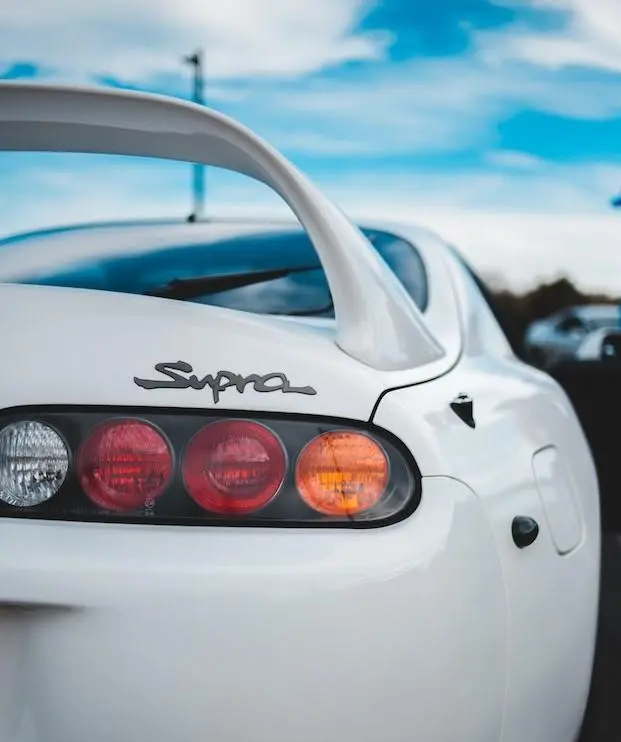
<point x="234" y="467"/>
<point x="125" y="465"/>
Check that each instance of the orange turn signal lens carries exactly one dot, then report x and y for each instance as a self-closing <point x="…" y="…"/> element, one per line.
<point x="342" y="473"/>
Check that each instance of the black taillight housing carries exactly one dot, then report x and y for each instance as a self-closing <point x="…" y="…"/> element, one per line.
<point x="192" y="467"/>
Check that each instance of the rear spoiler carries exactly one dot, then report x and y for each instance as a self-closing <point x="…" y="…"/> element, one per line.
<point x="377" y="322"/>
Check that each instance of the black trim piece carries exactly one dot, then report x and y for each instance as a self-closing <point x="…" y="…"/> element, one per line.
<point x="463" y="407"/>
<point x="179" y="425"/>
<point x="408" y="386"/>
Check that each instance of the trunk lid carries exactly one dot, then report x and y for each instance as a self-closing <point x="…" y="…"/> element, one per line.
<point x="76" y="347"/>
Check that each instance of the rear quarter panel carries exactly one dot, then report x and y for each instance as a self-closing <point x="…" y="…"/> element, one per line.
<point x="551" y="598"/>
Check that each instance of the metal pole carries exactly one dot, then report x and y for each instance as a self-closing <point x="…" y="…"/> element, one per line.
<point x="198" y="170"/>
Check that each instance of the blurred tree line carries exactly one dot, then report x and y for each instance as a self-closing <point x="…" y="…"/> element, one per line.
<point x="516" y="311"/>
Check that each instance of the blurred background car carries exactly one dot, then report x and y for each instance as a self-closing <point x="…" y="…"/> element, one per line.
<point x="560" y="335"/>
<point x="603" y="344"/>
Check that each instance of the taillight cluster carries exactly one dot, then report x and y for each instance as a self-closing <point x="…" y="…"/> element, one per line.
<point x="197" y="468"/>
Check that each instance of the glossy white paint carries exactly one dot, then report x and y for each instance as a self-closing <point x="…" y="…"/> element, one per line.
<point x="551" y="599"/>
<point x="25" y="256"/>
<point x="437" y="628"/>
<point x="91" y="344"/>
<point x="559" y="498"/>
<point x="188" y="634"/>
<point x="377" y="321"/>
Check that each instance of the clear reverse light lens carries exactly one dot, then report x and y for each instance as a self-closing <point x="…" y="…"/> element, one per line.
<point x="33" y="463"/>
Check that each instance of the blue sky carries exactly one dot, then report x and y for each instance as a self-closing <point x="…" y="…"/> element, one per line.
<point x="495" y="122"/>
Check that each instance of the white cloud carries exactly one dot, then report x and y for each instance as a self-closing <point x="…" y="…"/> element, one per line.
<point x="525" y="248"/>
<point x="140" y="39"/>
<point x="418" y="106"/>
<point x="551" y="188"/>
<point x="52" y="190"/>
<point x="524" y="228"/>
<point x="409" y="108"/>
<point x="514" y="160"/>
<point x="589" y="37"/>
<point x="321" y="143"/>
<point x="422" y="106"/>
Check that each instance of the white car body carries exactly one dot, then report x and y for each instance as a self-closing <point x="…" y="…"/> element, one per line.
<point x="601" y="344"/>
<point x="558" y="337"/>
<point x="435" y="627"/>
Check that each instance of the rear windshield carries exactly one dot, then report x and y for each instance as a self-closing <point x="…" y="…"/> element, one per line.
<point x="303" y="292"/>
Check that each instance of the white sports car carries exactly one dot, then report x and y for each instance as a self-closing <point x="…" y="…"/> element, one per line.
<point x="267" y="482"/>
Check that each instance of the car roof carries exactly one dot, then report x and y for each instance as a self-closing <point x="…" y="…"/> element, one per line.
<point x="597" y="311"/>
<point x="148" y="227"/>
<point x="212" y="228"/>
<point x="54" y="247"/>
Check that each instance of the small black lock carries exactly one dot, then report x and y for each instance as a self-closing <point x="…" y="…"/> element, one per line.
<point x="524" y="531"/>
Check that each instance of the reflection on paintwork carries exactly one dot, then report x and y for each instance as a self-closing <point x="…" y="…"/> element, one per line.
<point x="558" y="497"/>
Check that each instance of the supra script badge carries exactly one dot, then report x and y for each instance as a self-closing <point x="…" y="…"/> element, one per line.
<point x="273" y="382"/>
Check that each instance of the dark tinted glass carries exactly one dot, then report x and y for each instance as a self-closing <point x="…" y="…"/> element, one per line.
<point x="304" y="292"/>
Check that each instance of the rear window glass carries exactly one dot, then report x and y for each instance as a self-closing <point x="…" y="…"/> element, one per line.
<point x="303" y="292"/>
